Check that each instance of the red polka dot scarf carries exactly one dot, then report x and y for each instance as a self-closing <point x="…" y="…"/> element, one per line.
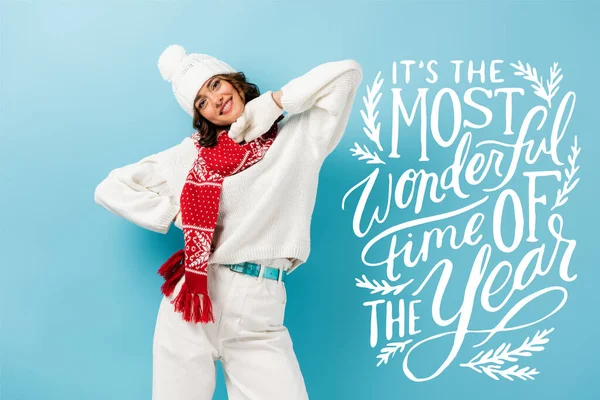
<point x="199" y="211"/>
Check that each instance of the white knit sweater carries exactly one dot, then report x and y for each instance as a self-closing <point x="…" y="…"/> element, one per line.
<point x="265" y="211"/>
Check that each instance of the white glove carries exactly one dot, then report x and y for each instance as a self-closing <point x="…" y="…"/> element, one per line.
<point x="258" y="117"/>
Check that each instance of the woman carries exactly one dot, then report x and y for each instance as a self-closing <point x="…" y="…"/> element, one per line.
<point x="262" y="230"/>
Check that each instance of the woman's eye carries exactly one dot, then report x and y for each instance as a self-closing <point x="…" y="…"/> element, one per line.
<point x="215" y="83"/>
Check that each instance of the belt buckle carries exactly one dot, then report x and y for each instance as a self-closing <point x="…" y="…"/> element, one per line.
<point x="241" y="267"/>
<point x="246" y="268"/>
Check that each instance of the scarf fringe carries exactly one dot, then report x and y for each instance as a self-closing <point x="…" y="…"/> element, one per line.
<point x="188" y="304"/>
<point x="172" y="270"/>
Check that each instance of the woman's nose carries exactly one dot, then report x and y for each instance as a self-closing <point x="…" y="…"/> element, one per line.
<point x="216" y="100"/>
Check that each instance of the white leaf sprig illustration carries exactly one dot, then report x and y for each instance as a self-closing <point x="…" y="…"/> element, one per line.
<point x="514" y="371"/>
<point x="504" y="354"/>
<point x="390" y="350"/>
<point x="383" y="288"/>
<point x="530" y="74"/>
<point x="372" y="127"/>
<point x="569" y="184"/>
<point x="552" y="83"/>
<point x="366" y="154"/>
<point x="370" y="117"/>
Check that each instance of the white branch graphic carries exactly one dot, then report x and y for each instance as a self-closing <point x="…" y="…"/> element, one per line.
<point x="370" y="118"/>
<point x="552" y="83"/>
<point x="372" y="127"/>
<point x="569" y="184"/>
<point x="384" y="287"/>
<point x="514" y="371"/>
<point x="366" y="154"/>
<point x="391" y="349"/>
<point x="530" y="74"/>
<point x="504" y="354"/>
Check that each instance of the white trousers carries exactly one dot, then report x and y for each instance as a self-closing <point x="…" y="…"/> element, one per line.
<point x="248" y="336"/>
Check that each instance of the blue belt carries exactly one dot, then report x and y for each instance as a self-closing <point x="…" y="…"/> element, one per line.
<point x="253" y="269"/>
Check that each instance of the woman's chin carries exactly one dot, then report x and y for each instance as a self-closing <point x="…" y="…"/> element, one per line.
<point x="227" y="123"/>
<point x="235" y="117"/>
<point x="223" y="124"/>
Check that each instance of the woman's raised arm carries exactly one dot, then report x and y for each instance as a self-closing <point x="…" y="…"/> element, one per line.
<point x="327" y="92"/>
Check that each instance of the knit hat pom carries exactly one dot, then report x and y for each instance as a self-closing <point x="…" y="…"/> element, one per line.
<point x="170" y="60"/>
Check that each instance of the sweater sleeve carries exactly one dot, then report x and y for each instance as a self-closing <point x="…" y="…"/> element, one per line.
<point x="140" y="193"/>
<point x="327" y="93"/>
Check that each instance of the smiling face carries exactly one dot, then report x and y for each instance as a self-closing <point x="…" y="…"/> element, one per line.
<point x="219" y="102"/>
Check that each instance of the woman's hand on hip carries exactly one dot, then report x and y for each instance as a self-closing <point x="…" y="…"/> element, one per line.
<point x="257" y="118"/>
<point x="177" y="221"/>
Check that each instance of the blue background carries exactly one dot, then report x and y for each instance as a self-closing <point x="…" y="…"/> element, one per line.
<point x="81" y="95"/>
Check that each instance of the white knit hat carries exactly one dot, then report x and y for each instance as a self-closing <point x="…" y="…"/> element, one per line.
<point x="188" y="73"/>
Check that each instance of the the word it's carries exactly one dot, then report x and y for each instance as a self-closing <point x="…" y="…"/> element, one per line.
<point x="468" y="71"/>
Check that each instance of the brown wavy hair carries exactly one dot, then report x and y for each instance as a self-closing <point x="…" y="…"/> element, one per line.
<point x="208" y="130"/>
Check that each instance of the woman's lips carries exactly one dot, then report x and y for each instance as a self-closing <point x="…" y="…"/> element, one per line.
<point x="227" y="106"/>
